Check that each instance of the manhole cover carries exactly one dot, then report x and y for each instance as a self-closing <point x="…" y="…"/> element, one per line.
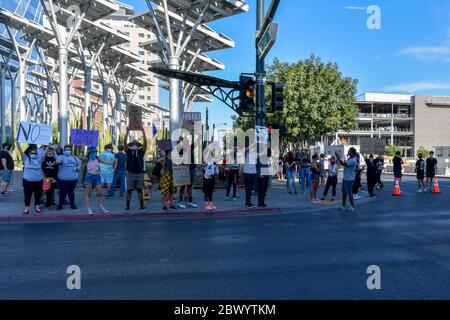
<point x="232" y="239"/>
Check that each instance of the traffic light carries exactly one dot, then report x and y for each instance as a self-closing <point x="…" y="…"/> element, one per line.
<point x="247" y="94"/>
<point x="277" y="97"/>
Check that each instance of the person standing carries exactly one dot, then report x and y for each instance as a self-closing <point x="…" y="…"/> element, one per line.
<point x="305" y="174"/>
<point x="290" y="173"/>
<point x="250" y="176"/>
<point x="358" y="174"/>
<point x="380" y="167"/>
<point x="32" y="177"/>
<point x="348" y="179"/>
<point x="280" y="170"/>
<point x="135" y="152"/>
<point x="398" y="163"/>
<point x="315" y="177"/>
<point x="233" y="176"/>
<point x="420" y="172"/>
<point x="167" y="186"/>
<point x="372" y="171"/>
<point x="6" y="167"/>
<point x="323" y="164"/>
<point x="120" y="173"/>
<point x="332" y="179"/>
<point x="186" y="191"/>
<point x="68" y="174"/>
<point x="50" y="170"/>
<point x="209" y="180"/>
<point x="431" y="170"/>
<point x="107" y="163"/>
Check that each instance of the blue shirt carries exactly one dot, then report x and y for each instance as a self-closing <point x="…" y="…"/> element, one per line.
<point x="68" y="168"/>
<point x="32" y="169"/>
<point x="121" y="158"/>
<point x="350" y="169"/>
<point x="108" y="157"/>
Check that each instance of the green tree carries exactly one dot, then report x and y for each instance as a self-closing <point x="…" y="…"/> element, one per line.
<point x="424" y="151"/>
<point x="319" y="101"/>
<point x="392" y="150"/>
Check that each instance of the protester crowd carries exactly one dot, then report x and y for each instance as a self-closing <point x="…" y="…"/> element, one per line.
<point x="48" y="169"/>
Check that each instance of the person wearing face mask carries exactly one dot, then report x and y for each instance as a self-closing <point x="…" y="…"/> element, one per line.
<point x="50" y="170"/>
<point x="135" y="169"/>
<point x="68" y="174"/>
<point x="332" y="179"/>
<point x="371" y="174"/>
<point x="32" y="177"/>
<point x="107" y="163"/>
<point x="93" y="179"/>
<point x="431" y="169"/>
<point x="6" y="167"/>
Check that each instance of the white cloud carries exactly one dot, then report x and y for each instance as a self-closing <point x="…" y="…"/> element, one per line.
<point x="355" y="8"/>
<point x="417" y="87"/>
<point x="427" y="53"/>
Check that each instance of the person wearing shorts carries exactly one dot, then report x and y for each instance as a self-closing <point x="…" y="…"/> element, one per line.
<point x="431" y="169"/>
<point x="420" y="172"/>
<point x="107" y="162"/>
<point x="93" y="180"/>
<point x="6" y="167"/>
<point x="349" y="178"/>
<point x="135" y="152"/>
<point x="398" y="162"/>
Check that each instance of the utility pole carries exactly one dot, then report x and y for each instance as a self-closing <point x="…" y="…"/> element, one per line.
<point x="260" y="69"/>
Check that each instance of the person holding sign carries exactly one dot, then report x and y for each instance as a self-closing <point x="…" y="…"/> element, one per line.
<point x="32" y="177"/>
<point x="68" y="175"/>
<point x="135" y="152"/>
<point x="93" y="179"/>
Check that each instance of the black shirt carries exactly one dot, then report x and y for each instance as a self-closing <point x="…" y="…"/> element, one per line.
<point x="9" y="160"/>
<point x="420" y="165"/>
<point x="50" y="171"/>
<point x="135" y="161"/>
<point x="397" y="163"/>
<point x="372" y="168"/>
<point x="431" y="164"/>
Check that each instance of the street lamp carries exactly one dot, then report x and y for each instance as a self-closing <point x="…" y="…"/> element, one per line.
<point x="217" y="126"/>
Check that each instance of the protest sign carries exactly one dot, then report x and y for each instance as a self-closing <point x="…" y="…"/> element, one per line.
<point x="262" y="134"/>
<point x="84" y="137"/>
<point x="135" y="118"/>
<point x="34" y="133"/>
<point x="164" y="145"/>
<point x="373" y="146"/>
<point x="189" y="119"/>
<point x="181" y="175"/>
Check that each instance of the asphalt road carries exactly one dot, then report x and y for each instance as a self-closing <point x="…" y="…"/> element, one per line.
<point x="311" y="254"/>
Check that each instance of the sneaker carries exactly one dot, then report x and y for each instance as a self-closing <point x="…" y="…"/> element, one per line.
<point x="173" y="208"/>
<point x="357" y="197"/>
<point x="165" y="208"/>
<point x="323" y="199"/>
<point x="109" y="196"/>
<point x="234" y="199"/>
<point x="213" y="207"/>
<point x="251" y="206"/>
<point x="74" y="207"/>
<point x="209" y="208"/>
<point x="104" y="210"/>
<point x="419" y="191"/>
<point x="262" y="205"/>
<point x="59" y="208"/>
<point x="227" y="199"/>
<point x="90" y="212"/>
<point x="332" y="199"/>
<point x="289" y="192"/>
<point x="5" y="193"/>
<point x="192" y="205"/>
<point x="127" y="209"/>
<point x="351" y="209"/>
<point x="181" y="206"/>
<point x="342" y="208"/>
<point x="142" y="208"/>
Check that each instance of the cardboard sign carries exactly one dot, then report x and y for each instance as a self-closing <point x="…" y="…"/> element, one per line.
<point x="164" y="145"/>
<point x="181" y="175"/>
<point x="84" y="137"/>
<point x="373" y="146"/>
<point x="135" y="118"/>
<point x="34" y="133"/>
<point x="262" y="134"/>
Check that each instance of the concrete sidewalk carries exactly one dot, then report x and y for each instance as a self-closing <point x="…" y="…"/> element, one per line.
<point x="278" y="200"/>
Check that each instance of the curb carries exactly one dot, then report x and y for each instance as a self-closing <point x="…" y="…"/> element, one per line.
<point x="50" y="218"/>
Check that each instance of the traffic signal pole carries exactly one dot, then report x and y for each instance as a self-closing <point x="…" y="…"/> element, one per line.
<point x="260" y="70"/>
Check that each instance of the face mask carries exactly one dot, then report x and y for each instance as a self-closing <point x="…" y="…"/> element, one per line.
<point x="134" y="147"/>
<point x="33" y="156"/>
<point x="108" y="150"/>
<point x="50" y="155"/>
<point x="67" y="152"/>
<point x="93" y="156"/>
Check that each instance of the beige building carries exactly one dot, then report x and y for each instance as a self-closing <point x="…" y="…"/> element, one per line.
<point x="402" y="120"/>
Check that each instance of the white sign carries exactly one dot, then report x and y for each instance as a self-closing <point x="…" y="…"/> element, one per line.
<point x="34" y="133"/>
<point x="262" y="135"/>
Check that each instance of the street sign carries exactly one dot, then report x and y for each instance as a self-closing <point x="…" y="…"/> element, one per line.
<point x="268" y="39"/>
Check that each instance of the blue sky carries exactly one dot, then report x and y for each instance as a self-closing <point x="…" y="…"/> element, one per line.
<point x="410" y="54"/>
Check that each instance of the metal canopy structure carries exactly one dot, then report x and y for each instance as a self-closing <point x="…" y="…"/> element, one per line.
<point x="180" y="27"/>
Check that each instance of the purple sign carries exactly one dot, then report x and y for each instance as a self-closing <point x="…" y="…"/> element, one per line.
<point x="84" y="137"/>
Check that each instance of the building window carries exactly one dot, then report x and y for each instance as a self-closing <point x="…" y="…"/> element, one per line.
<point x="142" y="97"/>
<point x="141" y="35"/>
<point x="142" y="53"/>
<point x="149" y="36"/>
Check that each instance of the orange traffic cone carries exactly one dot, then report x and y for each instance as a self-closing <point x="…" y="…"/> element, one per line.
<point x="397" y="192"/>
<point x="436" y="189"/>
